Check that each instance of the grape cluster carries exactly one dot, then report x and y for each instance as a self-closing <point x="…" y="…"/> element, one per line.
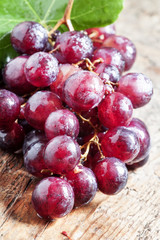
<point x="68" y="104"/>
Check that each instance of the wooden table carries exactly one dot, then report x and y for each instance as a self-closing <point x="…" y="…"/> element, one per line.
<point x="133" y="214"/>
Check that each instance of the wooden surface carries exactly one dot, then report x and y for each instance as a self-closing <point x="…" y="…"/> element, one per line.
<point x="132" y="214"/>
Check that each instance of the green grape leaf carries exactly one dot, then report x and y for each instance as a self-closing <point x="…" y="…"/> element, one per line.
<point x="85" y="14"/>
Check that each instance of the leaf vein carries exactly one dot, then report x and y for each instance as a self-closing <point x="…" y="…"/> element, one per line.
<point x="48" y="11"/>
<point x="32" y="9"/>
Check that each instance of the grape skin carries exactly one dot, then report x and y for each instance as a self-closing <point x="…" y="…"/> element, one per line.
<point x="115" y="110"/>
<point x="61" y="122"/>
<point x="53" y="198"/>
<point x="73" y="46"/>
<point x="39" y="106"/>
<point x="79" y="177"/>
<point x="126" y="48"/>
<point x="111" y="174"/>
<point x="83" y="91"/>
<point x="29" y="37"/>
<point x="121" y="143"/>
<point x="9" y="108"/>
<point x="137" y="87"/>
<point x="65" y="70"/>
<point x="15" y="78"/>
<point x="41" y="69"/>
<point x="110" y="56"/>
<point x="62" y="154"/>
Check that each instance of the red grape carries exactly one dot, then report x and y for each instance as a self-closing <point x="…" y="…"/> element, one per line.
<point x="121" y="143"/>
<point x="111" y="175"/>
<point x="29" y="37"/>
<point x="84" y="185"/>
<point x="65" y="70"/>
<point x="115" y="110"/>
<point x="83" y="91"/>
<point x="126" y="48"/>
<point x="62" y="154"/>
<point x="137" y="87"/>
<point x="53" y="198"/>
<point x="9" y="108"/>
<point x="41" y="69"/>
<point x="110" y="56"/>
<point x="61" y="122"/>
<point x="39" y="106"/>
<point x="12" y="139"/>
<point x="15" y="78"/>
<point x="73" y="46"/>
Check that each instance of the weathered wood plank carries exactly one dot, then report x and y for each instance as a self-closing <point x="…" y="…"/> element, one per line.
<point x="134" y="214"/>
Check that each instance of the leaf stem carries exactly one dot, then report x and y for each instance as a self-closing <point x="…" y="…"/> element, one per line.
<point x="66" y="19"/>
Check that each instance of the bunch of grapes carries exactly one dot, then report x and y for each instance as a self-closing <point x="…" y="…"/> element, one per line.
<point x="68" y="104"/>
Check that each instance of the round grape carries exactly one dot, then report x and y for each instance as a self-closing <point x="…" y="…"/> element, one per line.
<point x="29" y="37"/>
<point x="115" y="110"/>
<point x="41" y="69"/>
<point x="34" y="160"/>
<point x="121" y="143"/>
<point x="73" y="46"/>
<point x="84" y="185"/>
<point x="61" y="122"/>
<point x="9" y="108"/>
<point x="12" y="139"/>
<point x="53" y="198"/>
<point x="83" y="91"/>
<point x="62" y="154"/>
<point x="112" y="175"/>
<point x="15" y="78"/>
<point x="126" y="48"/>
<point x="110" y="56"/>
<point x="39" y="106"/>
<point x="137" y="87"/>
<point x="140" y="129"/>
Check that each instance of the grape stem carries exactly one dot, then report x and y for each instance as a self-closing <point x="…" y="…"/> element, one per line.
<point x="66" y="19"/>
<point x="95" y="140"/>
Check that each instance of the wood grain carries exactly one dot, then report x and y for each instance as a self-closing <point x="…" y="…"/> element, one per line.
<point x="133" y="214"/>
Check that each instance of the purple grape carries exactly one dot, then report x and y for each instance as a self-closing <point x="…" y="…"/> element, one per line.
<point x="115" y="110"/>
<point x="65" y="71"/>
<point x="110" y="56"/>
<point x="62" y="154"/>
<point x="121" y="143"/>
<point x="126" y="48"/>
<point x="15" y="78"/>
<point x="83" y="91"/>
<point x="84" y="185"/>
<point x="41" y="69"/>
<point x="73" y="46"/>
<point x="61" y="122"/>
<point x="9" y="108"/>
<point x="39" y="106"/>
<point x="137" y="87"/>
<point x="12" y="139"/>
<point x="29" y="37"/>
<point x="131" y="166"/>
<point x="107" y="73"/>
<point x="53" y="198"/>
<point x="33" y="137"/>
<point x="140" y="129"/>
<point x="111" y="175"/>
<point x="34" y="160"/>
